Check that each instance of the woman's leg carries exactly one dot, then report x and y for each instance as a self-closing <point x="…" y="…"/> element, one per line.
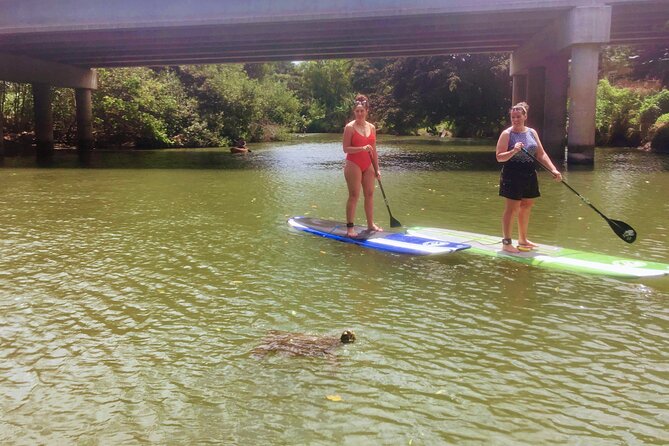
<point x="524" y="221"/>
<point x="511" y="208"/>
<point x="353" y="177"/>
<point x="368" y="184"/>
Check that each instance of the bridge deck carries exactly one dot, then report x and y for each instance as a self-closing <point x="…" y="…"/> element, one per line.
<point x="88" y="38"/>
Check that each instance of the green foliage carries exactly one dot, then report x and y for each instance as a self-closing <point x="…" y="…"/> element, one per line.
<point x="235" y="106"/>
<point x="652" y="108"/>
<point x="327" y="94"/>
<point x="617" y="113"/>
<point x="659" y="136"/>
<point x="193" y="106"/>
<point x="16" y="104"/>
<point x="471" y="92"/>
<point x="664" y="119"/>
<point x="626" y="116"/>
<point x="464" y="95"/>
<point x="64" y="115"/>
<point x="138" y="106"/>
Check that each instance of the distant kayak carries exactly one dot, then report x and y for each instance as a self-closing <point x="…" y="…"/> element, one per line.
<point x="239" y="150"/>
<point x="381" y="240"/>
<point x="547" y="256"/>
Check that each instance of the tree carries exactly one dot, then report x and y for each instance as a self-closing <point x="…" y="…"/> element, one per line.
<point x="470" y="92"/>
<point x="326" y="93"/>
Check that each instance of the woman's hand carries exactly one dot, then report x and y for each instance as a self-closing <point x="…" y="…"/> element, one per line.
<point x="556" y="175"/>
<point x="517" y="147"/>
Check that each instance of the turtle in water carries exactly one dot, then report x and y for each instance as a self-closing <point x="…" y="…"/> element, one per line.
<point x="300" y="344"/>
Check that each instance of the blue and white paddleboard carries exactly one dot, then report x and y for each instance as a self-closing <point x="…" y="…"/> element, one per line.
<point x="382" y="240"/>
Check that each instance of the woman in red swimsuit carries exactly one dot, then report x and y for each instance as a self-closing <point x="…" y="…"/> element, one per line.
<point x="360" y="148"/>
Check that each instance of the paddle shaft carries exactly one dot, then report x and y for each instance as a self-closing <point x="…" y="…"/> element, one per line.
<point x="394" y="223"/>
<point x="585" y="200"/>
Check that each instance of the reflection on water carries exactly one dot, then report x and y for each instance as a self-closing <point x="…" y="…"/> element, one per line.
<point x="131" y="299"/>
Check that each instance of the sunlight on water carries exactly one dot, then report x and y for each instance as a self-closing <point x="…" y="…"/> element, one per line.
<point x="131" y="299"/>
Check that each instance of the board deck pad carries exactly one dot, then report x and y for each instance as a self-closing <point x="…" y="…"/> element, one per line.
<point x="548" y="256"/>
<point x="396" y="242"/>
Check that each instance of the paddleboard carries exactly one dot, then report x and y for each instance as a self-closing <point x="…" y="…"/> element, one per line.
<point x="382" y="240"/>
<point x="549" y="256"/>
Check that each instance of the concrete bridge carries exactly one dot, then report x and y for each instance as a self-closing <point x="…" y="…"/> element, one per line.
<point x="553" y="44"/>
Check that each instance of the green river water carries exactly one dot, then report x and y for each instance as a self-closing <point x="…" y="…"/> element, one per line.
<point x="132" y="293"/>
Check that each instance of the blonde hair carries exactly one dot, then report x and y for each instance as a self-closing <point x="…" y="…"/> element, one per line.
<point x="521" y="107"/>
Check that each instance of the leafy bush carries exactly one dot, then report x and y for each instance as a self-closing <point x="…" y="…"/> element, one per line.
<point x="235" y="106"/>
<point x="662" y="119"/>
<point x="617" y="112"/>
<point x="659" y="139"/>
<point x="194" y="106"/>
<point x="327" y="94"/>
<point x="651" y="109"/>
<point x="141" y="107"/>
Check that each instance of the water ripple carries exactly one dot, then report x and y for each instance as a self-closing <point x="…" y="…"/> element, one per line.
<point x="131" y="300"/>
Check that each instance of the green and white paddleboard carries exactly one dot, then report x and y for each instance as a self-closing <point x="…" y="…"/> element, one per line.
<point x="549" y="256"/>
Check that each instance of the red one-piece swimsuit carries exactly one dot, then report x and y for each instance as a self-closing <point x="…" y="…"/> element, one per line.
<point x="362" y="159"/>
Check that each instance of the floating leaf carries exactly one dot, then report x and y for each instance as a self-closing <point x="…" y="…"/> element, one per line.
<point x="333" y="397"/>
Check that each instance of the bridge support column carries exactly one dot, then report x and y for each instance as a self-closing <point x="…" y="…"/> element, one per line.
<point x="536" y="92"/>
<point x="85" y="142"/>
<point x="2" y="137"/>
<point x="519" y="89"/>
<point x="43" y="123"/>
<point x="582" y="102"/>
<point x="582" y="30"/>
<point x="554" y="135"/>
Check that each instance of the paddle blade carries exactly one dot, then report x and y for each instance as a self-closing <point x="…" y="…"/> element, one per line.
<point x="622" y="230"/>
<point x="394" y="223"/>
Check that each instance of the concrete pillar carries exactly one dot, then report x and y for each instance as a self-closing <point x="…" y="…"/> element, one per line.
<point x="85" y="142"/>
<point x="582" y="101"/>
<point x="519" y="89"/>
<point x="536" y="90"/>
<point x="554" y="136"/>
<point x="43" y="123"/>
<point x="2" y="137"/>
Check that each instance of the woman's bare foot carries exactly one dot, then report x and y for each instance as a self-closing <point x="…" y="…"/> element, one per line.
<point x="511" y="249"/>
<point x="507" y="246"/>
<point x="350" y="233"/>
<point x="374" y="228"/>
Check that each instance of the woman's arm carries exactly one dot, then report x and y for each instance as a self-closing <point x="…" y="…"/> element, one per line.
<point x="502" y="152"/>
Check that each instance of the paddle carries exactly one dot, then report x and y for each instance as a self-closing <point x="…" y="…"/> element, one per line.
<point x="622" y="229"/>
<point x="394" y="223"/>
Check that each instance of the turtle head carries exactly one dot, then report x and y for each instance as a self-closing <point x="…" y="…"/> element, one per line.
<point x="347" y="337"/>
